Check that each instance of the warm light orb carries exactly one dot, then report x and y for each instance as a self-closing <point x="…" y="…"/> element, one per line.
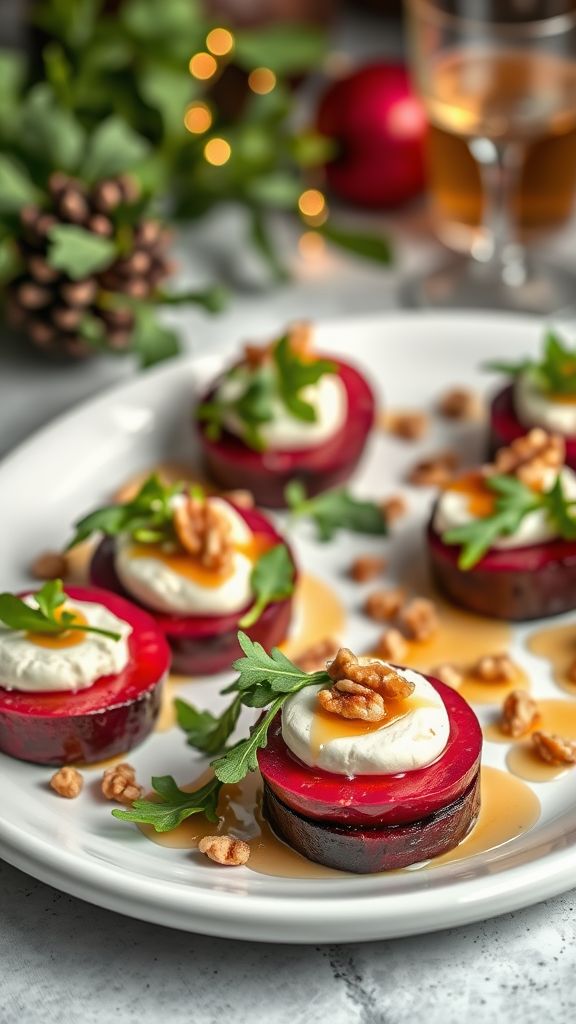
<point x="202" y="65"/>
<point x="217" y="151"/>
<point x="312" y="203"/>
<point x="261" y="80"/>
<point x="220" y="41"/>
<point x="197" y="118"/>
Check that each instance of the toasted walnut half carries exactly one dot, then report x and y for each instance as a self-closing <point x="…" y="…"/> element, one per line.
<point x="204" y="531"/>
<point x="67" y="782"/>
<point x="225" y="850"/>
<point x="350" y="700"/>
<point x="519" y="714"/>
<point x="529" y="457"/>
<point x="119" y="783"/>
<point x="374" y="675"/>
<point x="554" y="749"/>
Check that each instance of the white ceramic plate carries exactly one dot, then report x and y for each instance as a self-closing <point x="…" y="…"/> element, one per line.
<point x="78" y="847"/>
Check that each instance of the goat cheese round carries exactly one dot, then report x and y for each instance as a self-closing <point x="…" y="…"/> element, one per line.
<point x="328" y="398"/>
<point x="27" y="666"/>
<point x="453" y="509"/>
<point x="155" y="583"/>
<point x="535" y="408"/>
<point x="410" y="742"/>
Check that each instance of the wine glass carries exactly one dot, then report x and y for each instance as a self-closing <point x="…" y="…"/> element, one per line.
<point x="499" y="75"/>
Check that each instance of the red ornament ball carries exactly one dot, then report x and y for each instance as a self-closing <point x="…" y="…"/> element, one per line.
<point x="379" y="127"/>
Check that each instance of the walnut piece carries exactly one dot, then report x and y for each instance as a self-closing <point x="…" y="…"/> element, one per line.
<point x="460" y="404"/>
<point x="256" y="356"/>
<point x="434" y="471"/>
<point x="554" y="749"/>
<point x="394" y="508"/>
<point x="119" y="783"/>
<point x="240" y="498"/>
<point x="367" y="567"/>
<point x="410" y="425"/>
<point x="204" y="531"/>
<point x="392" y="646"/>
<point x="315" y="657"/>
<point x="519" y="714"/>
<point x="494" y="668"/>
<point x="225" y="850"/>
<point x="419" y="619"/>
<point x="531" y="456"/>
<point x="300" y="336"/>
<point x="67" y="782"/>
<point x="383" y="605"/>
<point x="355" y="702"/>
<point x="372" y="674"/>
<point x="448" y="673"/>
<point x="50" y="565"/>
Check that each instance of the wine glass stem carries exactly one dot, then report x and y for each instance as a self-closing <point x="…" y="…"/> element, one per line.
<point x="500" y="166"/>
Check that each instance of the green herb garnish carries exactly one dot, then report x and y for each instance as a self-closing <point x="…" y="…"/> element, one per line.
<point x="17" y="614"/>
<point x="264" y="681"/>
<point x="335" y="510"/>
<point x="554" y="373"/>
<point x="272" y="580"/>
<point x="148" y="517"/>
<point x="514" y="501"/>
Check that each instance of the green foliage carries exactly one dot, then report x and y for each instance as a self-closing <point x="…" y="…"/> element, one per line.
<point x="335" y="510"/>
<point x="147" y="517"/>
<point x="174" y="805"/>
<point x="48" y="617"/>
<point x="272" y="580"/>
<point x="78" y="252"/>
<point x="554" y="373"/>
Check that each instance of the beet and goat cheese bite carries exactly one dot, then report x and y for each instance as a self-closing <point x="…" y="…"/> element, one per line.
<point x="199" y="565"/>
<point x="283" y="413"/>
<point x="502" y="538"/>
<point x="81" y="674"/>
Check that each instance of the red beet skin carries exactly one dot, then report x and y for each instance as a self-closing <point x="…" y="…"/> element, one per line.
<point x="204" y="644"/>
<point x="365" y="850"/>
<point x="106" y="719"/>
<point x="517" y="584"/>
<point x="232" y="464"/>
<point x="378" y="799"/>
<point x="505" y="426"/>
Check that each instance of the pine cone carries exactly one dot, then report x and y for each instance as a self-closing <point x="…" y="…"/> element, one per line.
<point x="50" y="307"/>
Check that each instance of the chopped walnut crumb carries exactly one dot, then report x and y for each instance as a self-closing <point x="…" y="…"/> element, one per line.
<point x="410" y="426"/>
<point x="419" y="618"/>
<point x="434" y="471"/>
<point x="460" y="404"/>
<point x="367" y="567"/>
<point x="225" y="850"/>
<point x="519" y="713"/>
<point x="394" y="508"/>
<point x="448" y="673"/>
<point x="314" y="658"/>
<point x="204" y="531"/>
<point x="383" y="605"/>
<point x="240" y="498"/>
<point x="392" y="646"/>
<point x="356" y="702"/>
<point x="256" y="355"/>
<point x="368" y="673"/>
<point x="554" y="749"/>
<point x="67" y="782"/>
<point x="531" y="456"/>
<point x="494" y="668"/>
<point x="50" y="565"/>
<point x="300" y="335"/>
<point x="119" y="783"/>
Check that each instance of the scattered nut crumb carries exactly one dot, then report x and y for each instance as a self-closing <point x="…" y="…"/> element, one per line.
<point x="394" y="508"/>
<point x="519" y="713"/>
<point x="225" y="850"/>
<point x="419" y="618"/>
<point x="410" y="426"/>
<point x="434" y="471"/>
<point x="383" y="605"/>
<point x="315" y="657"/>
<point x="494" y="668"/>
<point x="240" y="498"/>
<point x="50" y="565"/>
<point x="366" y="672"/>
<point x="67" y="782"/>
<point x="256" y="355"/>
<point x="460" y="404"/>
<point x="531" y="456"/>
<point x="367" y="567"/>
<point x="448" y="673"/>
<point x="554" y="749"/>
<point x="119" y="783"/>
<point x="391" y="646"/>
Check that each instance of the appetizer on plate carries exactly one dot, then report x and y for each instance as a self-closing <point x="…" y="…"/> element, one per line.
<point x="81" y="674"/>
<point x="199" y="565"/>
<point x="367" y="767"/>
<point x="284" y="413"/>
<point x="502" y="538"/>
<point x="542" y="393"/>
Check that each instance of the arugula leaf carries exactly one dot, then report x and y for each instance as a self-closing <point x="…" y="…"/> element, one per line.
<point x="78" y="252"/>
<point x="257" y="666"/>
<point x="554" y="373"/>
<point x="559" y="509"/>
<point x="513" y="502"/>
<point x="174" y="806"/>
<point x="148" y="517"/>
<point x="16" y="614"/>
<point x="242" y="758"/>
<point x="294" y="374"/>
<point x="205" y="731"/>
<point x="272" y="579"/>
<point x="253" y="407"/>
<point x="335" y="510"/>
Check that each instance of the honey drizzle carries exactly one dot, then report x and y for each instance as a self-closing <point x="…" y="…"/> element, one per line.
<point x="61" y="641"/>
<point x="327" y="727"/>
<point x="191" y="568"/>
<point x="481" y="500"/>
<point x="557" y="644"/>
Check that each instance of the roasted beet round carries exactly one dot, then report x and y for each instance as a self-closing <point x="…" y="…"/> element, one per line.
<point x="204" y="644"/>
<point x="508" y="583"/>
<point x="232" y="464"/>
<point x="102" y="721"/>
<point x="505" y="426"/>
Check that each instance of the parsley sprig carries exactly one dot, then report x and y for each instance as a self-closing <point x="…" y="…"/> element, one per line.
<point x="148" y="517"/>
<point x="514" y="501"/>
<point x="554" y="373"/>
<point x="335" y="510"/>
<point x="282" y="378"/>
<point x="48" y="617"/>
<point x="264" y="681"/>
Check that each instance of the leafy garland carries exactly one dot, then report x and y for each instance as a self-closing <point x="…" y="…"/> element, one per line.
<point x="554" y="373"/>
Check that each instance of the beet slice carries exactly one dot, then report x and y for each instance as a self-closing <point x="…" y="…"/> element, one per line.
<point x="385" y="799"/>
<point x="367" y="850"/>
<point x="517" y="584"/>
<point x="106" y="719"/>
<point x="204" y="644"/>
<point x="232" y="464"/>
<point x="505" y="426"/>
